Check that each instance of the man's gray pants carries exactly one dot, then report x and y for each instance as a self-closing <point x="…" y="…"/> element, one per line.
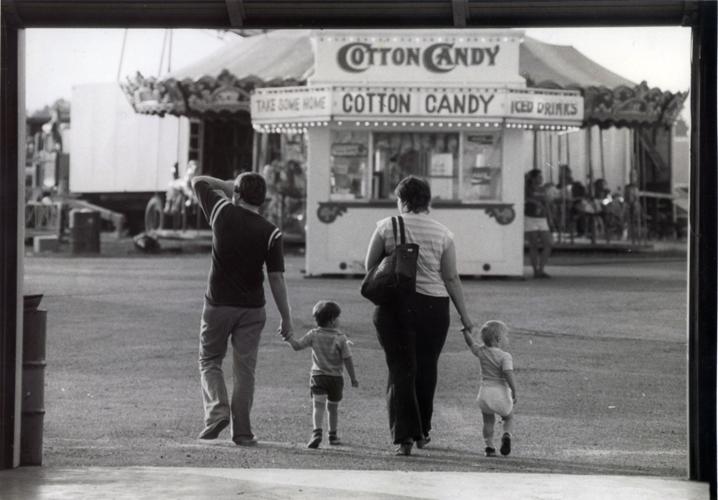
<point x="244" y="326"/>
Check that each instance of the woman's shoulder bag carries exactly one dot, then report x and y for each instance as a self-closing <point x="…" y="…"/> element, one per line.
<point x="395" y="275"/>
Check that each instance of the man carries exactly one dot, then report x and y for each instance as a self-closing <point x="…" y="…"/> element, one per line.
<point x="242" y="242"/>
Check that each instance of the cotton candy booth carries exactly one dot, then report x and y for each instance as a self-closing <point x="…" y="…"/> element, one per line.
<point x="449" y="107"/>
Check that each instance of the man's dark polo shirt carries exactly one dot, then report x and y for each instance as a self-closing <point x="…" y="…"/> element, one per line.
<point x="242" y="242"/>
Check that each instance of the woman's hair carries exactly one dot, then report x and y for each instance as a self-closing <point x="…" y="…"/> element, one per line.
<point x="326" y="311"/>
<point x="532" y="174"/>
<point x="415" y="193"/>
<point x="251" y="188"/>
<point x="491" y="332"/>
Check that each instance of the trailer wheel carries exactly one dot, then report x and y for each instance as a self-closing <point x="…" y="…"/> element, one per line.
<point x="154" y="214"/>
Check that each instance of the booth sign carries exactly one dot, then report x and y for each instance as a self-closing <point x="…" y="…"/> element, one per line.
<point x="298" y="104"/>
<point x="420" y="56"/>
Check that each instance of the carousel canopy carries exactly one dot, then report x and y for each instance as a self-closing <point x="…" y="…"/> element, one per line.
<point x="219" y="85"/>
<point x="561" y="66"/>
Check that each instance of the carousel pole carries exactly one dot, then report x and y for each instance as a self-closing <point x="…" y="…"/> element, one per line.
<point x="255" y="152"/>
<point x="639" y="176"/>
<point x="635" y="208"/>
<point x="623" y="188"/>
<point x="590" y="182"/>
<point x="122" y="55"/>
<point x="600" y="150"/>
<point x="589" y="150"/>
<point x="549" y="162"/>
<point x="162" y="54"/>
<point x="558" y="175"/>
<point x="642" y="182"/>
<point x="169" y="53"/>
<point x="566" y="193"/>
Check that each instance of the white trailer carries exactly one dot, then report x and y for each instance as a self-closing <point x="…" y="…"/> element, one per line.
<point x="120" y="159"/>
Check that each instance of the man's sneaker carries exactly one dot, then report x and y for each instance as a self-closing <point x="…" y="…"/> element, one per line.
<point x="505" y="444"/>
<point x="212" y="430"/>
<point x="334" y="439"/>
<point x="490" y="452"/>
<point x="245" y="441"/>
<point x="316" y="439"/>
<point x="421" y="443"/>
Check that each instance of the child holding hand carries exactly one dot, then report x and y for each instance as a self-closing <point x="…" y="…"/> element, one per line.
<point x="497" y="392"/>
<point x="330" y="354"/>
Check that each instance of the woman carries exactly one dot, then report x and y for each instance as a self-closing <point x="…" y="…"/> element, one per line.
<point x="412" y="331"/>
<point x="536" y="228"/>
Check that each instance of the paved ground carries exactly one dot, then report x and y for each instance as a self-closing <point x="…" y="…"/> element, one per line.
<point x="599" y="350"/>
<point x="270" y="484"/>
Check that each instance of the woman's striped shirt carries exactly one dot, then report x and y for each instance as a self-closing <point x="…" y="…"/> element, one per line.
<point x="433" y="239"/>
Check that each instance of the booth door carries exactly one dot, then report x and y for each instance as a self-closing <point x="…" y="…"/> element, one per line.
<point x="227" y="147"/>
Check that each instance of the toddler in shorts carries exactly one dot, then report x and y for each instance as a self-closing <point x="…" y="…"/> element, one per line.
<point x="497" y="392"/>
<point x="330" y="354"/>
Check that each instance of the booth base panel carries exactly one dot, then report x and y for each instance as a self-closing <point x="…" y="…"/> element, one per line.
<point x="496" y="270"/>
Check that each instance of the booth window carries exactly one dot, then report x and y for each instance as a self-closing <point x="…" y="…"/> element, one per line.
<point x="349" y="156"/>
<point x="432" y="155"/>
<point x="481" y="166"/>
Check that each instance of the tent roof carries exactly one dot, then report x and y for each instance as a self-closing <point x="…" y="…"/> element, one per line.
<point x="219" y="85"/>
<point x="547" y="65"/>
<point x="287" y="55"/>
<point x="271" y="56"/>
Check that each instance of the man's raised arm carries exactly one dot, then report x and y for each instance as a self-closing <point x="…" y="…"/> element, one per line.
<point x="227" y="187"/>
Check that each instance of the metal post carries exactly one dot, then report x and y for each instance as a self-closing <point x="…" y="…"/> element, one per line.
<point x="12" y="229"/>
<point x="702" y="253"/>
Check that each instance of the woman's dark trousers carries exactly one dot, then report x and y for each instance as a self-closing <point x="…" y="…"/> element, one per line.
<point x="412" y="334"/>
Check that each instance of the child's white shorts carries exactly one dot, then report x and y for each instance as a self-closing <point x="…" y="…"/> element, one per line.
<point x="535" y="224"/>
<point x="495" y="398"/>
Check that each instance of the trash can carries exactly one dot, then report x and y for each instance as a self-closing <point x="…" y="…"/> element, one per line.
<point x="85" y="231"/>
<point x="33" y="381"/>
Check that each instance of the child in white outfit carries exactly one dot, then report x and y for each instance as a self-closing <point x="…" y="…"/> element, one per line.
<point x="497" y="393"/>
<point x="330" y="354"/>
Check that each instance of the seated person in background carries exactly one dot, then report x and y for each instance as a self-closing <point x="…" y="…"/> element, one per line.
<point x="553" y="202"/>
<point x="579" y="206"/>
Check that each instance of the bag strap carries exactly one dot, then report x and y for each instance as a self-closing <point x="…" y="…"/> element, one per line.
<point x="401" y="229"/>
<point x="393" y="227"/>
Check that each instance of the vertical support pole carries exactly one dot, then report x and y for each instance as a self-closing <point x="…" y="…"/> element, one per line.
<point x="12" y="194"/>
<point x="550" y="157"/>
<point x="264" y="156"/>
<point x="591" y="194"/>
<point x="589" y="153"/>
<point x="600" y="151"/>
<point x="702" y="253"/>
<point x="255" y="152"/>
